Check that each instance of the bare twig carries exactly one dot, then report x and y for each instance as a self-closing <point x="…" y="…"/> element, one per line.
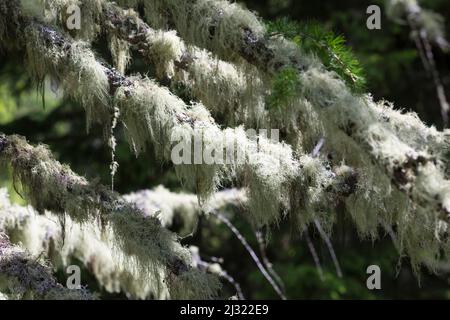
<point x="313" y="251"/>
<point x="330" y="247"/>
<point x="436" y="78"/>
<point x="323" y="235"/>
<point x="251" y="251"/>
<point x="266" y="261"/>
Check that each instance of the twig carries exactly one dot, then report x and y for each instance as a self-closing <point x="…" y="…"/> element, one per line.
<point x="330" y="247"/>
<point x="251" y="251"/>
<point x="436" y="78"/>
<point x="313" y="251"/>
<point x="318" y="147"/>
<point x="426" y="55"/>
<point x="266" y="261"/>
<point x="222" y="273"/>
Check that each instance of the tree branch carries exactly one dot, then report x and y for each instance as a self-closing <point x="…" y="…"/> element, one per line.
<point x="52" y="186"/>
<point x="22" y="277"/>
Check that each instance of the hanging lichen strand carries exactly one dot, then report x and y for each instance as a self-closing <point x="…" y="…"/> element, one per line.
<point x="152" y="114"/>
<point x="150" y="247"/>
<point x="95" y="246"/>
<point x="398" y="175"/>
<point x="353" y="124"/>
<point x="233" y="93"/>
<point x="168" y="206"/>
<point x="23" y="277"/>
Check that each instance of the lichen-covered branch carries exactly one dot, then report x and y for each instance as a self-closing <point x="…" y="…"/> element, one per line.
<point x="151" y="114"/>
<point x="52" y="186"/>
<point x="89" y="243"/>
<point x="349" y="121"/>
<point x="401" y="175"/>
<point x="225" y="89"/>
<point x="406" y="126"/>
<point x="221" y="86"/>
<point x="168" y="206"/>
<point x="22" y="277"/>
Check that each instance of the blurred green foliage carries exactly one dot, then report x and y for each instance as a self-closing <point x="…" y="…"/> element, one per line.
<point x="392" y="70"/>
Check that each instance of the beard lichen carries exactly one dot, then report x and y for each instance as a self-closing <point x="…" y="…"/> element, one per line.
<point x="100" y="253"/>
<point x="79" y="18"/>
<point x="215" y="26"/>
<point x="401" y="164"/>
<point x="23" y="277"/>
<point x="75" y="69"/>
<point x="120" y="52"/>
<point x="52" y="186"/>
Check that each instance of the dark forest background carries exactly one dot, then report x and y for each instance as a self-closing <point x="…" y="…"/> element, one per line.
<point x="394" y="72"/>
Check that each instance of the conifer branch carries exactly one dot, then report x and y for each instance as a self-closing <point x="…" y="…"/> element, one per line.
<point x="151" y="114"/>
<point x="54" y="187"/>
<point x="351" y="121"/>
<point x="401" y="175"/>
<point x="22" y="277"/>
<point x="221" y="86"/>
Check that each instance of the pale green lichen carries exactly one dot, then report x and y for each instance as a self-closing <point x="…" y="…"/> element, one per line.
<point x="215" y="22"/>
<point x="63" y="12"/>
<point x="97" y="248"/>
<point x="51" y="186"/>
<point x="151" y="114"/>
<point x="235" y="94"/>
<point x="76" y="69"/>
<point x="355" y="117"/>
<point x="361" y="137"/>
<point x="165" y="48"/>
<point x="399" y="178"/>
<point x="120" y="51"/>
<point x="168" y="206"/>
<point x="227" y="88"/>
<point x="22" y="277"/>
